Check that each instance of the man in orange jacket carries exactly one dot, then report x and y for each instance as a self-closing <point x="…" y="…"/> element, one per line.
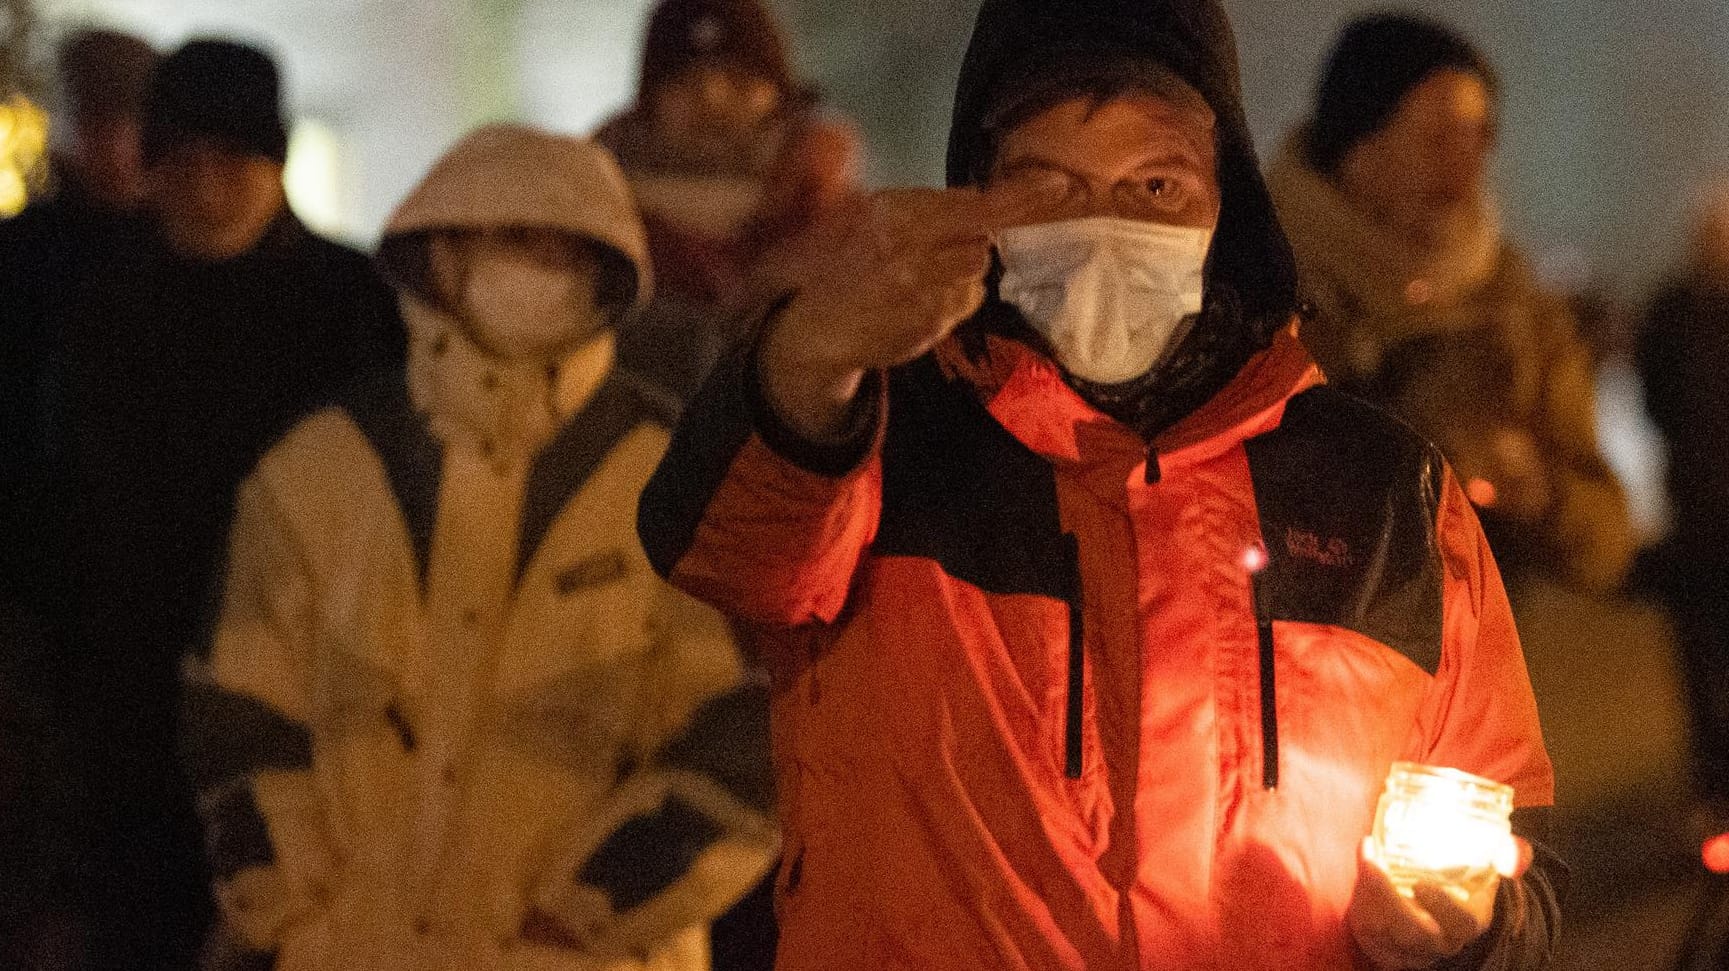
<point x="1096" y="624"/>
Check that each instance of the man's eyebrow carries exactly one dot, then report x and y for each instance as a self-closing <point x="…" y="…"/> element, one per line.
<point x="1032" y="163"/>
<point x="1184" y="155"/>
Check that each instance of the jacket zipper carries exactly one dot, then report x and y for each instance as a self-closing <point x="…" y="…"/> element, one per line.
<point x="1269" y="689"/>
<point x="1073" y="729"/>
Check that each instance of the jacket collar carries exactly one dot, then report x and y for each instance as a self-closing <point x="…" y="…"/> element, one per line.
<point x="510" y="409"/>
<point x="1025" y="392"/>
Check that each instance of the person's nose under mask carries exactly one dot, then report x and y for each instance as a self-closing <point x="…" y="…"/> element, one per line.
<point x="1112" y="296"/>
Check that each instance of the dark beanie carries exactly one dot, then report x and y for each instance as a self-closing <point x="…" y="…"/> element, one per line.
<point x="1377" y="61"/>
<point x="739" y="34"/>
<point x="103" y="74"/>
<point x="221" y="90"/>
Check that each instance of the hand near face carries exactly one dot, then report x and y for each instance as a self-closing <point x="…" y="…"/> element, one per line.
<point x="899" y="270"/>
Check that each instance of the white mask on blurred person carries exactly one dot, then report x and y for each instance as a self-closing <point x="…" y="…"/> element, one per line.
<point x="1110" y="295"/>
<point x="523" y="310"/>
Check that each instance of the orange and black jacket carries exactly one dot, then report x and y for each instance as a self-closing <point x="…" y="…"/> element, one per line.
<point x="1049" y="698"/>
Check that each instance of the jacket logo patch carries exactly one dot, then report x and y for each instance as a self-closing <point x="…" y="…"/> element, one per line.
<point x="595" y="571"/>
<point x="1304" y="545"/>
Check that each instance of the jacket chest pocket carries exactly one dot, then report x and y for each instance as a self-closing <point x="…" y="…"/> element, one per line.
<point x="569" y="682"/>
<point x="587" y="608"/>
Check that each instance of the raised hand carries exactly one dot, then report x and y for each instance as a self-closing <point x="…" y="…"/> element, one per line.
<point x="885" y="279"/>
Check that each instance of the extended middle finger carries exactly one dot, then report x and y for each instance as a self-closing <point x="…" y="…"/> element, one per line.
<point x="929" y="270"/>
<point x="934" y="218"/>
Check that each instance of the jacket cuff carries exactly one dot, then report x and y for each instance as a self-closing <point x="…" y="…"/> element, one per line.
<point x="1527" y="910"/>
<point x="834" y="460"/>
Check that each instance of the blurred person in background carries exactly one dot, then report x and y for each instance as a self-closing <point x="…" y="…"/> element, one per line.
<point x="1683" y="358"/>
<point x="1096" y="622"/>
<point x="730" y="158"/>
<point x="86" y="220"/>
<point x="174" y="370"/>
<point x="450" y="718"/>
<point x="1424" y="305"/>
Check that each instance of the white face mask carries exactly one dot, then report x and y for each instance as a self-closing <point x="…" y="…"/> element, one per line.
<point x="522" y="310"/>
<point x="1111" y="295"/>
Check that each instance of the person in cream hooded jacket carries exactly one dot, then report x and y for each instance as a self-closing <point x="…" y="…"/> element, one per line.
<point x="449" y="717"/>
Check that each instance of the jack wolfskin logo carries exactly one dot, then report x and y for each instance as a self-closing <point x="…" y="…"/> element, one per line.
<point x="1305" y="545"/>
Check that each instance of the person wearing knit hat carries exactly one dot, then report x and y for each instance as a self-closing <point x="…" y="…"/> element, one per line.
<point x="716" y="78"/>
<point x="1097" y="621"/>
<point x="174" y="369"/>
<point x="1424" y="305"/>
<point x="1376" y="62"/>
<point x="731" y="158"/>
<point x="536" y="742"/>
<point x="217" y="89"/>
<point x="215" y="142"/>
<point x="723" y="148"/>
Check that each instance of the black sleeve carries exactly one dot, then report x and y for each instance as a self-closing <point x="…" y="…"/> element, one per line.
<point x="728" y="411"/>
<point x="1527" y="923"/>
<point x="835" y="459"/>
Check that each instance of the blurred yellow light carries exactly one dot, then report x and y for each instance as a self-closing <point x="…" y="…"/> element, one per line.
<point x="23" y="144"/>
<point x="1445" y="827"/>
<point x="314" y="177"/>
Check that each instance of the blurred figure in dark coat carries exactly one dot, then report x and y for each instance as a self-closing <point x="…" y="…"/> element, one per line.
<point x="730" y="158"/>
<point x="177" y="369"/>
<point x="87" y="218"/>
<point x="1683" y="358"/>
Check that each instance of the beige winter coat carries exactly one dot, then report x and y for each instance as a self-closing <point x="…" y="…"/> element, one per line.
<point x="1464" y="344"/>
<point x="450" y="718"/>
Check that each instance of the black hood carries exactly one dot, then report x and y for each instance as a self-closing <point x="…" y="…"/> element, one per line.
<point x="1020" y="42"/>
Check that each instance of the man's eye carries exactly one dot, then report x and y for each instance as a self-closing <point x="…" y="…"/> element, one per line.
<point x="1152" y="194"/>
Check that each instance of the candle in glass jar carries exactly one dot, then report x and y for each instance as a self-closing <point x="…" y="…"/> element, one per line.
<point x="1443" y="826"/>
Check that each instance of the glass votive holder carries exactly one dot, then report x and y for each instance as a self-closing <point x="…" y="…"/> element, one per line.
<point x="1443" y="826"/>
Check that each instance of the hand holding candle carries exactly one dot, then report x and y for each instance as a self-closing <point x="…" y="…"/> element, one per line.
<point x="1428" y="878"/>
<point x="1444" y="826"/>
